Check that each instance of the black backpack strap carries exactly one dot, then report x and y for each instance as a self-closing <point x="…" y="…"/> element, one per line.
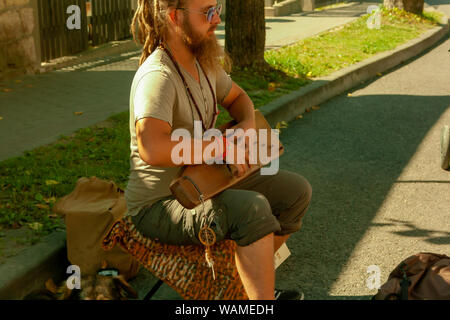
<point x="405" y="283"/>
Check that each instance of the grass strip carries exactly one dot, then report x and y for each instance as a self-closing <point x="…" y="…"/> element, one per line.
<point x="351" y="43"/>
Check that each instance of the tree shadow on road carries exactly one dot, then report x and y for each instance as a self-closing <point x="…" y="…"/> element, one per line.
<point x="352" y="151"/>
<point x="414" y="231"/>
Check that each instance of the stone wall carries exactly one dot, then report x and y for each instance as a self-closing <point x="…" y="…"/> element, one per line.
<point x="19" y="37"/>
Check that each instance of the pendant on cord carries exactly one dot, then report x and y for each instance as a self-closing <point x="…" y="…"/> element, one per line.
<point x="207" y="237"/>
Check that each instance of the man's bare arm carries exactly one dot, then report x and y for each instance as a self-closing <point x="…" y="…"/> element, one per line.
<point x="240" y="107"/>
<point x="155" y="144"/>
<point x="154" y="135"/>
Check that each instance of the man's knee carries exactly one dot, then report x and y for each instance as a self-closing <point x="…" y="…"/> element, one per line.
<point x="259" y="207"/>
<point x="291" y="219"/>
<point x="252" y="219"/>
<point x="305" y="190"/>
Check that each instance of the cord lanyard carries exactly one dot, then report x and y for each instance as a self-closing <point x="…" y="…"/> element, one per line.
<point x="207" y="236"/>
<point x="216" y="109"/>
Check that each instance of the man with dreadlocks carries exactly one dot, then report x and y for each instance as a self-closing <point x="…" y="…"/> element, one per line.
<point x="180" y="80"/>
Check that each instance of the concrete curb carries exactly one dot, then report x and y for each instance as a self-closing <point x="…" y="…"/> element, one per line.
<point x="287" y="107"/>
<point x="33" y="266"/>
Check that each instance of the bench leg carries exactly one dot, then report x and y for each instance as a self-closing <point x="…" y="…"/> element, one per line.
<point x="154" y="289"/>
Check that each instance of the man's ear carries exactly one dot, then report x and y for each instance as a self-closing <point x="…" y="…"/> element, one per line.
<point x="173" y="16"/>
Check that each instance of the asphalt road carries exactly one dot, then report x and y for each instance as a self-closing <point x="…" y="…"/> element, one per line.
<point x="379" y="194"/>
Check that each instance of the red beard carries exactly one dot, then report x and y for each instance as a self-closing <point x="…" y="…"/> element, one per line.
<point x="205" y="48"/>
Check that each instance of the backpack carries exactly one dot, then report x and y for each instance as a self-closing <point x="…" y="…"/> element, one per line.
<point x="89" y="213"/>
<point x="423" y="276"/>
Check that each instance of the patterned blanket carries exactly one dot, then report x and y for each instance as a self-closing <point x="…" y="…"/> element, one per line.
<point x="183" y="268"/>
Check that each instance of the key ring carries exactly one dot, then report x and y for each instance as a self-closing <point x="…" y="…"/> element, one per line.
<point x="207" y="236"/>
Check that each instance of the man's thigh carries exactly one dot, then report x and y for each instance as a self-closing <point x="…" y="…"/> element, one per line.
<point x="253" y="208"/>
<point x="283" y="190"/>
<point x="241" y="215"/>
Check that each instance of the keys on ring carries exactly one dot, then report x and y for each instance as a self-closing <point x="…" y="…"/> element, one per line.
<point x="207" y="237"/>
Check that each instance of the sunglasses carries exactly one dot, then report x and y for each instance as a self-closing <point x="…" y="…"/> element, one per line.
<point x="209" y="14"/>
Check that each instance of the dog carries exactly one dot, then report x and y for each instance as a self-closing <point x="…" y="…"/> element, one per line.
<point x="107" y="284"/>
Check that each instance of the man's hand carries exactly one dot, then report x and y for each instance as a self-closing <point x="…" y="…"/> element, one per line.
<point x="238" y="145"/>
<point x="241" y="108"/>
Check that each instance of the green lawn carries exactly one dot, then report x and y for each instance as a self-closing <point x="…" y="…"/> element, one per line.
<point x="346" y="45"/>
<point x="30" y="185"/>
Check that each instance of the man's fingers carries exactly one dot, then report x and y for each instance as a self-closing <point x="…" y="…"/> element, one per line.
<point x="243" y="169"/>
<point x="238" y="170"/>
<point x="240" y="157"/>
<point x="247" y="154"/>
<point x="233" y="170"/>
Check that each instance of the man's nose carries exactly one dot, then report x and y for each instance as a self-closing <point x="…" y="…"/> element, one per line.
<point x="216" y="19"/>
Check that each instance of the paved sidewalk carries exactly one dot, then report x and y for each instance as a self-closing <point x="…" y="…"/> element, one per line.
<point x="41" y="108"/>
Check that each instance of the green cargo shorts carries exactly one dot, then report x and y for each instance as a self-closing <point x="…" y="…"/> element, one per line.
<point x="252" y="209"/>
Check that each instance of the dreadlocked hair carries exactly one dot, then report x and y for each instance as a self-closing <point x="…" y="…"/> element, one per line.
<point x="149" y="24"/>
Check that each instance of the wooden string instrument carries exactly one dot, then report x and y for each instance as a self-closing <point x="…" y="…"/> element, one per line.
<point x="199" y="183"/>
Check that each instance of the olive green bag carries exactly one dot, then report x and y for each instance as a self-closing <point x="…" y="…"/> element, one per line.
<point x="89" y="212"/>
